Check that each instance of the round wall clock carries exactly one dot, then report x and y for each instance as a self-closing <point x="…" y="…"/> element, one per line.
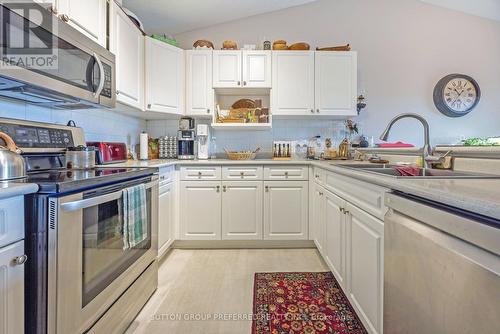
<point x="456" y="95"/>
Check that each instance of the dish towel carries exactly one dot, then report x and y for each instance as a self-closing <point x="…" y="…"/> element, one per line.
<point x="408" y="170"/>
<point x="135" y="216"/>
<point x="394" y="145"/>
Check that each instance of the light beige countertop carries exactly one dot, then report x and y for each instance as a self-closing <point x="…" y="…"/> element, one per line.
<point x="171" y="162"/>
<point x="481" y="196"/>
<point x="12" y="189"/>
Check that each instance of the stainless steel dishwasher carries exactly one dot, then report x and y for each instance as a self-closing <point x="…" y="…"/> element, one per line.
<point x="442" y="269"/>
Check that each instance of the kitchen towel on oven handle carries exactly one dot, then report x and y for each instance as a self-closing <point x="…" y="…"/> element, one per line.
<point x="135" y="227"/>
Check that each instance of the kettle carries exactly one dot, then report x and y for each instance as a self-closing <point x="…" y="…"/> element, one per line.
<point x="12" y="165"/>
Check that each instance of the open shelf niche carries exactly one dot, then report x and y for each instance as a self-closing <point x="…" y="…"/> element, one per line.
<point x="225" y="97"/>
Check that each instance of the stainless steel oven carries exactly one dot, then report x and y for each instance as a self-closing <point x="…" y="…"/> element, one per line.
<point x="88" y="266"/>
<point x="47" y="62"/>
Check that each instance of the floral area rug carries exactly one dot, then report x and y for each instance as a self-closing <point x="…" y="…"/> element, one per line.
<point x="292" y="303"/>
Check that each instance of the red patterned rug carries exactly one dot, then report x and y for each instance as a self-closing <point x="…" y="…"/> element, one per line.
<point x="292" y="303"/>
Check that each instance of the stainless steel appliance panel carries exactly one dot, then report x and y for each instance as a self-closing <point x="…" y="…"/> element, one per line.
<point x="85" y="71"/>
<point x="437" y="283"/>
<point x="88" y="268"/>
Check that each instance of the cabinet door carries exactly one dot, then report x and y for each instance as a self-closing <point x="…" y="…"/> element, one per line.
<point x="227" y="68"/>
<point x="200" y="210"/>
<point x="336" y="83"/>
<point x="127" y="43"/>
<point x="89" y="17"/>
<point x="199" y="91"/>
<point x="335" y="235"/>
<point x="241" y="210"/>
<point x="365" y="265"/>
<point x="257" y="69"/>
<point x="318" y="218"/>
<point x="11" y="289"/>
<point x="285" y="210"/>
<point x="293" y="83"/>
<point x="165" y="217"/>
<point x="164" y="77"/>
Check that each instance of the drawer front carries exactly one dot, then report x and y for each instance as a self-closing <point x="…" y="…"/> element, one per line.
<point x="189" y="173"/>
<point x="242" y="173"/>
<point x="286" y="173"/>
<point x="11" y="220"/>
<point x="366" y="196"/>
<point x="319" y="175"/>
<point x="166" y="174"/>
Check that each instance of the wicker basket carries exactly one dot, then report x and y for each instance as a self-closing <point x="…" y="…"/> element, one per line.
<point x="241" y="155"/>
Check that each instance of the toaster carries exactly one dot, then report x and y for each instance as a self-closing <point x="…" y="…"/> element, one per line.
<point x="109" y="153"/>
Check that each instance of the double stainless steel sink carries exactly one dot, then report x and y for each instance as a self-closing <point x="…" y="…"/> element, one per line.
<point x="424" y="173"/>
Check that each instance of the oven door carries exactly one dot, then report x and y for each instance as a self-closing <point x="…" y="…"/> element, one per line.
<point x="88" y="265"/>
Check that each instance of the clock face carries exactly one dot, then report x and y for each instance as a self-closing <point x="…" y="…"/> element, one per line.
<point x="456" y="95"/>
<point x="460" y="94"/>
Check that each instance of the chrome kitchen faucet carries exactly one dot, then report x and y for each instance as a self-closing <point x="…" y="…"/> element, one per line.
<point x="427" y="158"/>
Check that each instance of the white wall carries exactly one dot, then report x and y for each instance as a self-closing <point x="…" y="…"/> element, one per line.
<point x="98" y="125"/>
<point x="405" y="47"/>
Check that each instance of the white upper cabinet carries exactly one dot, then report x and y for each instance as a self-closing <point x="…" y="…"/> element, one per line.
<point x="336" y="83"/>
<point x="293" y="83"/>
<point x="89" y="17"/>
<point x="257" y="69"/>
<point x="227" y="68"/>
<point x="164" y="77"/>
<point x="127" y="43"/>
<point x="235" y="68"/>
<point x="199" y="91"/>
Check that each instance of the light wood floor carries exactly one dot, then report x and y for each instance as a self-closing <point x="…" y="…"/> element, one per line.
<point x="214" y="282"/>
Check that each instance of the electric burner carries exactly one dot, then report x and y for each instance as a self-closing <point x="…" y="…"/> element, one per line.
<point x="74" y="180"/>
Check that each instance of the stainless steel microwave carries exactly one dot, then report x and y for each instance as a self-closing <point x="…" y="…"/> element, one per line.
<point x="47" y="62"/>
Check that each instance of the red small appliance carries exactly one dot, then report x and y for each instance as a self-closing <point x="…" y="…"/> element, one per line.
<point x="109" y="153"/>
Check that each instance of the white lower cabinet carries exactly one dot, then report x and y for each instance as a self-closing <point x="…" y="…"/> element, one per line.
<point x="318" y="218"/>
<point x="286" y="210"/>
<point x="365" y="266"/>
<point x="166" y="214"/>
<point x="241" y="210"/>
<point x="200" y="210"/>
<point x="11" y="289"/>
<point x="334" y="221"/>
<point x="351" y="241"/>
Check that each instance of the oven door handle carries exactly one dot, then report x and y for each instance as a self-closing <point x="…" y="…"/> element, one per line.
<point x="93" y="201"/>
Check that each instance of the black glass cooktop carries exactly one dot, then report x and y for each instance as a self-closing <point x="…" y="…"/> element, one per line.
<point x="71" y="180"/>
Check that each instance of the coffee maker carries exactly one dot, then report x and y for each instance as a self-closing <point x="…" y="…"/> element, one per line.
<point x="202" y="133"/>
<point x="185" y="139"/>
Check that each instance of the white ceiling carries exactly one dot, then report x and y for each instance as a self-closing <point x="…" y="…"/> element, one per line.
<point x="484" y="8"/>
<point x="177" y="16"/>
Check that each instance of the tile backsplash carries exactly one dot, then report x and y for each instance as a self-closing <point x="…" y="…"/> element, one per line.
<point x="250" y="140"/>
<point x="98" y="124"/>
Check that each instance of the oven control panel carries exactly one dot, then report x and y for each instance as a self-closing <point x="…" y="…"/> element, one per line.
<point x="26" y="136"/>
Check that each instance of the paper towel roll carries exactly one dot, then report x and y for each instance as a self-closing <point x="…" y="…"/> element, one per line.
<point x="143" y="146"/>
